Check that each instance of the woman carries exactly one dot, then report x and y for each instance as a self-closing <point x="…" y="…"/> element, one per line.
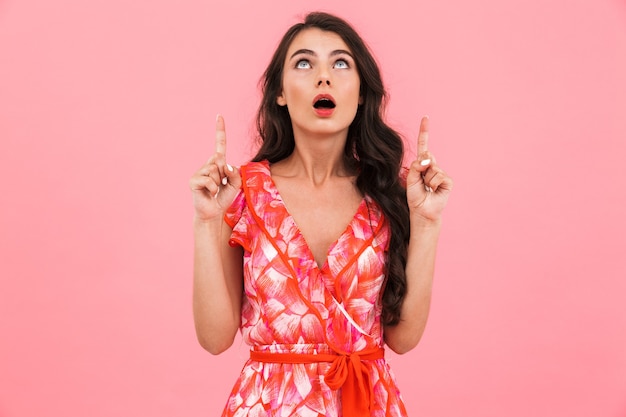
<point x="316" y="289"/>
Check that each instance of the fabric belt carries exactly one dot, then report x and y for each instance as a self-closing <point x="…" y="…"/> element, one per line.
<point x="347" y="372"/>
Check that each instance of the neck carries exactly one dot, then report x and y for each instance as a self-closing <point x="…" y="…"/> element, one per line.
<point x="315" y="158"/>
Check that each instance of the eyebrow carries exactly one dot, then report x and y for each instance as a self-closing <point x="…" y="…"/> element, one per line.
<point x="310" y="52"/>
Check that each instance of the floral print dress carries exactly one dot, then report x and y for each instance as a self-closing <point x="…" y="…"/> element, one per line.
<point x="315" y="333"/>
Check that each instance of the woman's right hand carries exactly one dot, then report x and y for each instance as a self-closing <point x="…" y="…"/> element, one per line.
<point x="216" y="183"/>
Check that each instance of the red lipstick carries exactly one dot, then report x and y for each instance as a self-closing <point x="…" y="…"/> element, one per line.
<point x="324" y="105"/>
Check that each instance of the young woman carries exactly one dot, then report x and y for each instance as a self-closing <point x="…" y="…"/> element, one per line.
<point x="322" y="249"/>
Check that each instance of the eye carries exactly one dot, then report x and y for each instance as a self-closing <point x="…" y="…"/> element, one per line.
<point x="303" y="63"/>
<point x="341" y="64"/>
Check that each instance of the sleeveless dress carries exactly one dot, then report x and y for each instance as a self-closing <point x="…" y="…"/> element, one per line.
<point x="315" y="333"/>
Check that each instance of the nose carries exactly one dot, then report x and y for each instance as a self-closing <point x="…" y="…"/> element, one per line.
<point x="323" y="76"/>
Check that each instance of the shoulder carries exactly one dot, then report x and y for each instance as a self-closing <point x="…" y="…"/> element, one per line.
<point x="257" y="187"/>
<point x="255" y="168"/>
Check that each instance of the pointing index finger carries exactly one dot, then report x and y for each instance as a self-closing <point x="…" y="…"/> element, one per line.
<point x="220" y="135"/>
<point x="422" y="138"/>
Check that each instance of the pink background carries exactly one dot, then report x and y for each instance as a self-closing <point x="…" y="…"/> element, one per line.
<point x="108" y="107"/>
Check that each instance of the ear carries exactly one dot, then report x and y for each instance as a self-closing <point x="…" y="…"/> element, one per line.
<point x="360" y="100"/>
<point x="280" y="100"/>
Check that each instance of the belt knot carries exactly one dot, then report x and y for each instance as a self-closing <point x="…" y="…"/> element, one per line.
<point x="352" y="375"/>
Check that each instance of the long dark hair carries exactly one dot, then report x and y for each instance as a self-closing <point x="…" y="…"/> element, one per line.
<point x="373" y="150"/>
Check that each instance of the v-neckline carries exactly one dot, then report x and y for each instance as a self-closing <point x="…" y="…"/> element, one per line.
<point x="309" y="252"/>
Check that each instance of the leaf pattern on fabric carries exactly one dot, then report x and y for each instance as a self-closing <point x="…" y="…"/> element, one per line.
<point x="290" y="305"/>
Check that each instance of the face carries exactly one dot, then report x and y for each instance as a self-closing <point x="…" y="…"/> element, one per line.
<point x="320" y="85"/>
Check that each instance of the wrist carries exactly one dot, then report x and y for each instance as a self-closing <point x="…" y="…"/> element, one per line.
<point x="210" y="224"/>
<point x="421" y="222"/>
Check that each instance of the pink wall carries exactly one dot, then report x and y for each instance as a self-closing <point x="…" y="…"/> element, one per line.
<point x="107" y="108"/>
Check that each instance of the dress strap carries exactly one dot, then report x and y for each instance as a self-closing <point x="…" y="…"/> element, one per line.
<point x="348" y="372"/>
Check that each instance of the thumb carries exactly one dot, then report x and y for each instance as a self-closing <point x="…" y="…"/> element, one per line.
<point x="234" y="176"/>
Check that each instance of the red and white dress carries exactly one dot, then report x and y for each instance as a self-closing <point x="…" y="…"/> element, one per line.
<point x="315" y="333"/>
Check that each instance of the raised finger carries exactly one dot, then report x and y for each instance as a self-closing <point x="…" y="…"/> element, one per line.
<point x="220" y="135"/>
<point x="422" y="138"/>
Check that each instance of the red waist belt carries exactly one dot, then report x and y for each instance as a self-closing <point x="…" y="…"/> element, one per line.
<point x="347" y="372"/>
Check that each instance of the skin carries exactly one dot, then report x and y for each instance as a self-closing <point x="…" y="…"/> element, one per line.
<point x="317" y="62"/>
<point x="314" y="171"/>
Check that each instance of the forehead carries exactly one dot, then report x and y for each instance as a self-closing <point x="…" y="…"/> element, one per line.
<point x="318" y="41"/>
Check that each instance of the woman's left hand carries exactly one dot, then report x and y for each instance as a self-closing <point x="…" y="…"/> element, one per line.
<point x="427" y="185"/>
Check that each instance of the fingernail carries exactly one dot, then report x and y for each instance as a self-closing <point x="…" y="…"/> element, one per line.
<point x="229" y="168"/>
<point x="217" y="117"/>
<point x="425" y="162"/>
<point x="224" y="180"/>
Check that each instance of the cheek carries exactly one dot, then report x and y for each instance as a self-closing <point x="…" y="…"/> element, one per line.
<point x="293" y="89"/>
<point x="352" y="88"/>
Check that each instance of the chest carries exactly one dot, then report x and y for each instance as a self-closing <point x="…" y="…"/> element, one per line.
<point x="321" y="215"/>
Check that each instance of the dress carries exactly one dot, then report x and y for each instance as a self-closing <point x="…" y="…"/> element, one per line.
<point x="291" y="305"/>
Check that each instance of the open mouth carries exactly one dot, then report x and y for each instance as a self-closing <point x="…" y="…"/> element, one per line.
<point x="324" y="102"/>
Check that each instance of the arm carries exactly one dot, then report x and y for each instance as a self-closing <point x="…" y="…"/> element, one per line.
<point x="420" y="269"/>
<point x="217" y="286"/>
<point x="218" y="276"/>
<point x="428" y="188"/>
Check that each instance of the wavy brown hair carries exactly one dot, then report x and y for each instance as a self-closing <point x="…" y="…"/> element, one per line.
<point x="373" y="150"/>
